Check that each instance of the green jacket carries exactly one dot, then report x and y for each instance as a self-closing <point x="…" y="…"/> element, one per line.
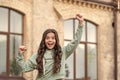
<point x="67" y="50"/>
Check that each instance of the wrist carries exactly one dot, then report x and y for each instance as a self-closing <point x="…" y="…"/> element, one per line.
<point x="21" y="52"/>
<point x="81" y="24"/>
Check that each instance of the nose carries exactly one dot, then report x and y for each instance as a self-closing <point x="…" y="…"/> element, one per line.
<point x="50" y="39"/>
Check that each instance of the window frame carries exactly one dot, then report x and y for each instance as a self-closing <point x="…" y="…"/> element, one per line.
<point x="8" y="33"/>
<point x="85" y="43"/>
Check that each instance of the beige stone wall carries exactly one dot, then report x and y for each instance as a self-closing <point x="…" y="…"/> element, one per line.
<point x="44" y="17"/>
<point x="96" y="0"/>
<point x="118" y="45"/>
<point x="43" y="14"/>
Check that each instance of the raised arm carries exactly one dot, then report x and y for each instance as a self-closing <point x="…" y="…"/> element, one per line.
<point x="28" y="65"/>
<point x="70" y="47"/>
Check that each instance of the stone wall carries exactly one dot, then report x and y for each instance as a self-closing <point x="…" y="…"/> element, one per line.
<point x="43" y="14"/>
<point x="97" y="0"/>
<point x="45" y="17"/>
<point x="118" y="35"/>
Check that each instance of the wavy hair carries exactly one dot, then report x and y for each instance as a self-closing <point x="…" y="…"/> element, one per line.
<point x="57" y="52"/>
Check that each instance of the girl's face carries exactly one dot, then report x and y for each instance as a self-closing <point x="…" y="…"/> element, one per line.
<point x="50" y="40"/>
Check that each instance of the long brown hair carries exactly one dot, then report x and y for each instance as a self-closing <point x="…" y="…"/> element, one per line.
<point x="57" y="52"/>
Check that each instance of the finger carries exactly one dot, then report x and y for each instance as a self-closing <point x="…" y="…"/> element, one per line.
<point x="78" y="15"/>
<point x="23" y="48"/>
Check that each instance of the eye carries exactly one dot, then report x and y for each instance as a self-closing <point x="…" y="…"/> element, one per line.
<point x="47" y="37"/>
<point x="53" y="37"/>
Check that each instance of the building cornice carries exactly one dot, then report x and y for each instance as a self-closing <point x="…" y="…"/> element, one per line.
<point x="87" y="4"/>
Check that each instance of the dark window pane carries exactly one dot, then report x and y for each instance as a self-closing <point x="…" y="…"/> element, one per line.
<point x="92" y="61"/>
<point x="68" y="29"/>
<point x="15" y="22"/>
<point x="91" y="32"/>
<point x="3" y="19"/>
<point x="15" y="42"/>
<point x="3" y="46"/>
<point x="80" y="62"/>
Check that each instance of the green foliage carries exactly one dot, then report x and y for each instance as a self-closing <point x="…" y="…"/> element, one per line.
<point x="15" y="68"/>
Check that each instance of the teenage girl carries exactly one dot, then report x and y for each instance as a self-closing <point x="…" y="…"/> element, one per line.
<point x="50" y="57"/>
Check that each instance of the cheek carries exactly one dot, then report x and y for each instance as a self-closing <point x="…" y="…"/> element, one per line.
<point x="54" y="41"/>
<point x="45" y="40"/>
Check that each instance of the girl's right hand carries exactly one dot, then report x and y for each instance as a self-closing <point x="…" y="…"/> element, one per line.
<point x="22" y="49"/>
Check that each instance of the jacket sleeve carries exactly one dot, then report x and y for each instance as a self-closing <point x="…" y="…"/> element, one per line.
<point x="28" y="65"/>
<point x="70" y="47"/>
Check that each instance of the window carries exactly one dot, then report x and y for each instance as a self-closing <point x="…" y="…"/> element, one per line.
<point x="82" y="64"/>
<point x="11" y="33"/>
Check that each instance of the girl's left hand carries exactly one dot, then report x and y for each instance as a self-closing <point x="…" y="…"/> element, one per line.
<point x="80" y="18"/>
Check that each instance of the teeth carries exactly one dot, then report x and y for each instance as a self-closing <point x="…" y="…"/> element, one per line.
<point x="50" y="44"/>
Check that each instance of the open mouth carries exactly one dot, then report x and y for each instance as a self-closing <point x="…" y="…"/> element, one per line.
<point x="50" y="44"/>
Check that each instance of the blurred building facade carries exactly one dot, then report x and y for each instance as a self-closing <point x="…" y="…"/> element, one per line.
<point x="97" y="56"/>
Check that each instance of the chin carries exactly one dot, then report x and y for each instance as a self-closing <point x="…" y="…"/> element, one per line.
<point x="50" y="47"/>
